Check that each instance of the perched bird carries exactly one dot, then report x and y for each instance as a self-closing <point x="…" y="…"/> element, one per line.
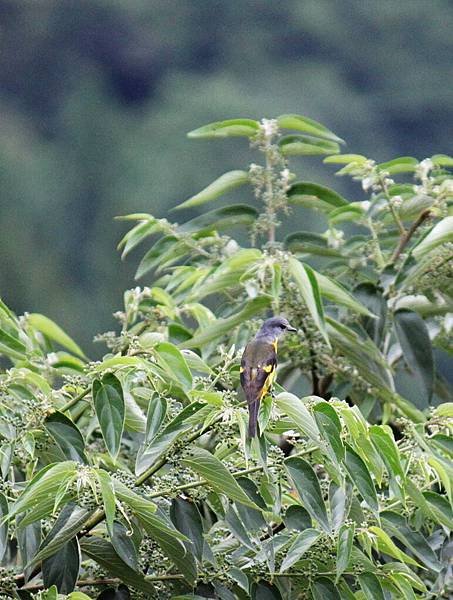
<point x="258" y="366"/>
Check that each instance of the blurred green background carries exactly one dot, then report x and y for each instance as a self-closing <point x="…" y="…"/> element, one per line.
<point x="96" y="98"/>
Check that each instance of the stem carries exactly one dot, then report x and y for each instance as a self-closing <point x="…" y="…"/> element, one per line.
<point x="379" y="256"/>
<point x="405" y="238"/>
<point x="314" y="368"/>
<point x="269" y="194"/>
<point x="107" y="581"/>
<point x="75" y="400"/>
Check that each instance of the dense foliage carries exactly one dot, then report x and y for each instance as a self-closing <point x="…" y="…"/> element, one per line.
<point x="133" y="476"/>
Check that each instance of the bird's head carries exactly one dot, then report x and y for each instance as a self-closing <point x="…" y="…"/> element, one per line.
<point x="275" y="327"/>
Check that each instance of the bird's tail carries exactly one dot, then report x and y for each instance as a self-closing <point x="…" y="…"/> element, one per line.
<point x="254" y="406"/>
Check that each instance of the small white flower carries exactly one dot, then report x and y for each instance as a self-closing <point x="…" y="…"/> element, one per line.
<point x="397" y="201"/>
<point x="52" y="358"/>
<point x="367" y="182"/>
<point x="424" y="168"/>
<point x="269" y="127"/>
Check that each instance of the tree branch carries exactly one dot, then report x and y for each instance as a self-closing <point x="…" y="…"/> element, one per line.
<point x="406" y="237"/>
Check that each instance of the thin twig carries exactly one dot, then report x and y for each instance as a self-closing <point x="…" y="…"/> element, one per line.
<point x="75" y="400"/>
<point x="406" y="237"/>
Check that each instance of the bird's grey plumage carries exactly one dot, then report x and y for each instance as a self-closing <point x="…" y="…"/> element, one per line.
<point x="259" y="363"/>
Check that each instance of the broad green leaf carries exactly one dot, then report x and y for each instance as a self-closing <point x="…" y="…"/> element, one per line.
<point x="108" y="497"/>
<point x="396" y="525"/>
<point x="307" y="285"/>
<point x="54" y="332"/>
<point x="337" y="293"/>
<point x="309" y="490"/>
<point x="210" y="468"/>
<point x="109" y="406"/>
<point x="295" y="408"/>
<point x="172" y="360"/>
<point x="354" y="211"/>
<point x="62" y="569"/>
<point x="330" y="428"/>
<point x="78" y="596"/>
<point x="70" y="521"/>
<point x="161" y="442"/>
<point x="301" y="145"/>
<point x="228" y="128"/>
<point x="405" y="164"/>
<point x="360" y="475"/>
<point x="313" y="195"/>
<point x="387" y="546"/>
<point x="123" y="544"/>
<point x="137" y="234"/>
<point x="441" y="233"/>
<point x="224" y="183"/>
<point x="154" y="255"/>
<point x="237" y="528"/>
<point x="387" y="448"/>
<point x="300" y="123"/>
<point x="442" y="160"/>
<point x="371" y="297"/>
<point x="11" y="346"/>
<point x="345" y="159"/>
<point x="404" y="586"/>
<point x="67" y="435"/>
<point x="371" y="586"/>
<point x="302" y="542"/>
<point x="102" y="552"/>
<point x="187" y="520"/>
<point x="42" y="487"/>
<point x="444" y="443"/>
<point x="307" y="242"/>
<point x="416" y="345"/>
<point x="344" y="547"/>
<point x="29" y="540"/>
<point x="3" y="525"/>
<point x="222" y="326"/>
<point x="221" y="218"/>
<point x="297" y="518"/>
<point x="340" y="502"/>
<point x="157" y="411"/>
<point x="444" y="410"/>
<point x="324" y="588"/>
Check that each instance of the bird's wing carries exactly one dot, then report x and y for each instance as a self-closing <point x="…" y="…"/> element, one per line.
<point x="258" y="366"/>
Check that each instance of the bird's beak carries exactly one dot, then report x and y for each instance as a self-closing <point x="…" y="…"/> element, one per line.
<point x="291" y="329"/>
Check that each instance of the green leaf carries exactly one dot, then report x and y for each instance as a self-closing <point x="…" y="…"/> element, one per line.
<point x="337" y="293"/>
<point x="124" y="546"/>
<point x="300" y="123"/>
<point x="340" y="502"/>
<point x="360" y="475"/>
<point x="416" y="345"/>
<point x="387" y="448"/>
<point x="154" y="255"/>
<point x="323" y="588"/>
<point x="62" y="569"/>
<point x="405" y="164"/>
<point x="330" y="428"/>
<point x="345" y="159"/>
<point x="297" y="518"/>
<point x="11" y="346"/>
<point x="387" y="546"/>
<point x="157" y="411"/>
<point x="173" y="361"/>
<point x="110" y="411"/>
<point x="42" y="487"/>
<point x="307" y="242"/>
<point x="3" y="525"/>
<point x="67" y="435"/>
<point x="441" y="233"/>
<point x="404" y="586"/>
<point x="300" y="145"/>
<point x="221" y="218"/>
<point x="307" y="285"/>
<point x="371" y="297"/>
<point x="29" y="540"/>
<point x="371" y="586"/>
<point x="344" y="547"/>
<point x="295" y="408"/>
<point x="313" y="195"/>
<point x="137" y="234"/>
<point x="224" y="183"/>
<point x="102" y="551"/>
<point x="210" y="468"/>
<point x="440" y="507"/>
<point x="54" y="332"/>
<point x="302" y="542"/>
<point x="222" y="326"/>
<point x="152" y="450"/>
<point x="70" y="521"/>
<point x="108" y="497"/>
<point x="309" y="490"/>
<point x="187" y="520"/>
<point x="228" y="128"/>
<point x="354" y="211"/>
<point x="443" y="442"/>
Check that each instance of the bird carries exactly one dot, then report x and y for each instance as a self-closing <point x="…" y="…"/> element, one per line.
<point x="259" y="364"/>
